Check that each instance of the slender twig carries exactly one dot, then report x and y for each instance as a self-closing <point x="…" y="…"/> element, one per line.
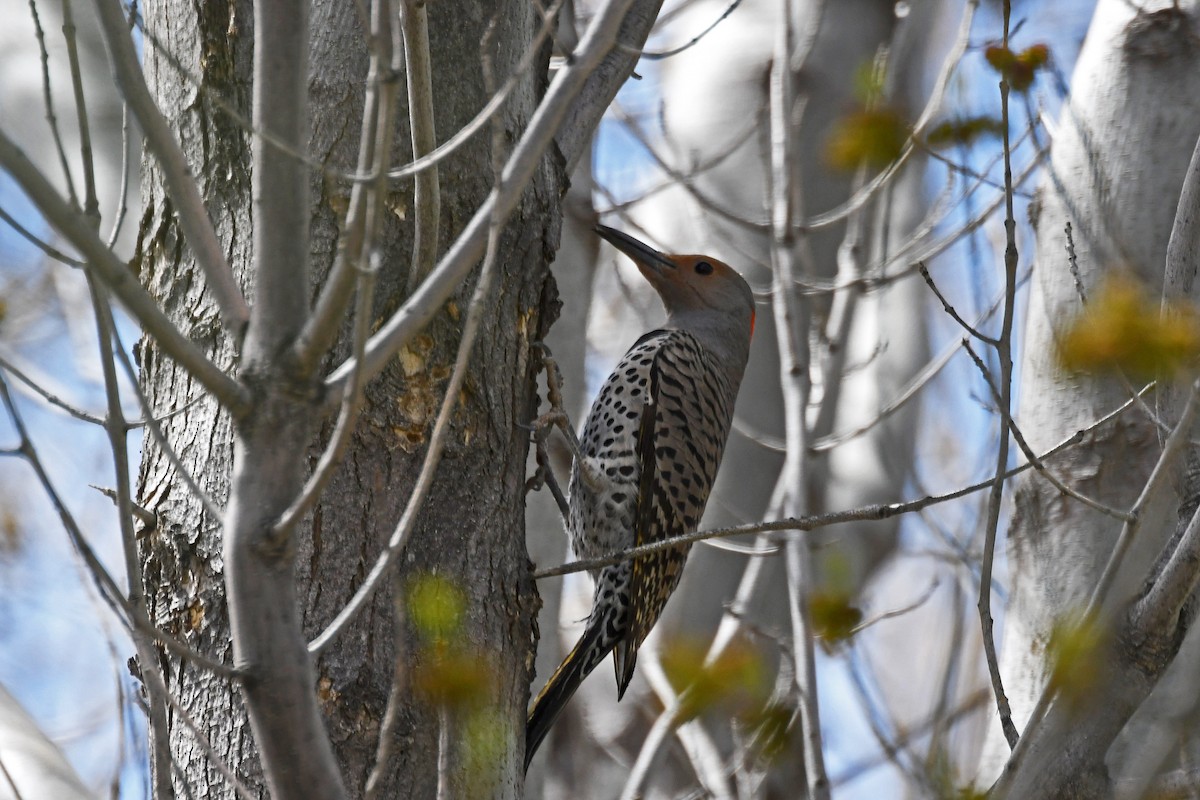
<point x="91" y="204"/>
<point x="857" y="769"/>
<point x="882" y="722"/>
<point x="1031" y="457"/>
<point x="792" y="320"/>
<point x="1004" y="353"/>
<point x="12" y="783"/>
<point x="687" y="179"/>
<point x="327" y="315"/>
<point x="472" y="242"/>
<point x="348" y="414"/>
<point x="949" y="309"/>
<point x="652" y="743"/>
<point x="119" y="448"/>
<point x="898" y="612"/>
<point x="120" y="280"/>
<point x="835" y="344"/>
<point x="109" y="590"/>
<point x="443" y="754"/>
<point x="966" y="171"/>
<point x="395" y="702"/>
<point x="657" y="55"/>
<point x="160" y="436"/>
<point x="48" y="104"/>
<point x="117" y="662"/>
<point x="751" y="128"/>
<point x="47" y="395"/>
<point x="143" y="514"/>
<point x="427" y="200"/>
<point x="908" y="392"/>
<point x="123" y="190"/>
<point x="913" y="253"/>
<point x="38" y="242"/>
<point x="177" y="174"/>
<point x="698" y="744"/>
<point x="815" y="521"/>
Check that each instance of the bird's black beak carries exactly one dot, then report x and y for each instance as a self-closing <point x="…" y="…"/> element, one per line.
<point x="642" y="254"/>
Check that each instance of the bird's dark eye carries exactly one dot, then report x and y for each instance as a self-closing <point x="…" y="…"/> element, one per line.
<point x="704" y="268"/>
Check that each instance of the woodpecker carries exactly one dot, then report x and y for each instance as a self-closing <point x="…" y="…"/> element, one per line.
<point x="648" y="457"/>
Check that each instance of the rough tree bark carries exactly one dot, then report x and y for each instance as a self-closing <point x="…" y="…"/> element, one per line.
<point x="470" y="530"/>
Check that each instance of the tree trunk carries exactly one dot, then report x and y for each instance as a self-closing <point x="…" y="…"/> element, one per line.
<point x="1120" y="154"/>
<point x="470" y="530"/>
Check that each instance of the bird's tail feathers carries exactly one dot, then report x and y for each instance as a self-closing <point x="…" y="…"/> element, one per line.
<point x="588" y="652"/>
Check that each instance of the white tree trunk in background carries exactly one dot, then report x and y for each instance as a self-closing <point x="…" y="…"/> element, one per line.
<point x="32" y="765"/>
<point x="1120" y="153"/>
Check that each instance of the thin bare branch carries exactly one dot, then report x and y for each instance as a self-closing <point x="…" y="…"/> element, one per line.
<point x="348" y="414"/>
<point x="898" y="612"/>
<point x="664" y="724"/>
<point x="279" y="185"/>
<point x="816" y="521"/>
<point x="395" y="702"/>
<point x="177" y="174"/>
<point x="463" y="254"/>
<point x="39" y="243"/>
<point x="123" y="190"/>
<point x="414" y="23"/>
<point x="857" y="769"/>
<point x="118" y="445"/>
<point x="949" y="309"/>
<point x="1004" y="353"/>
<point x="657" y="55"/>
<point x="160" y="436"/>
<point x="48" y="104"/>
<point x="108" y="588"/>
<point x="91" y="204"/>
<point x="119" y="279"/>
<point x="792" y="322"/>
<point x="443" y="754"/>
<point x="47" y="395"/>
<point x="1031" y="457"/>
<point x="140" y="512"/>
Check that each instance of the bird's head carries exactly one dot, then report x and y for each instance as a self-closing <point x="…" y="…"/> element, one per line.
<point x="700" y="293"/>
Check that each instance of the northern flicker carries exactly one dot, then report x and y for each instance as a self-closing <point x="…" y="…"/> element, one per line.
<point x="648" y="457"/>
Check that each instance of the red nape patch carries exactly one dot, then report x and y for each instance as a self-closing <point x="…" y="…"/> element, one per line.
<point x="753" y="315"/>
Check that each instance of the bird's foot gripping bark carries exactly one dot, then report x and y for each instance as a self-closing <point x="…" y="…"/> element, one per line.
<point x="541" y="428"/>
<point x="544" y="476"/>
<point x="557" y="417"/>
